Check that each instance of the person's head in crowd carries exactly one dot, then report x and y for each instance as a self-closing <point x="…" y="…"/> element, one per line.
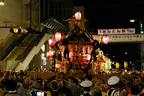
<point x="96" y="91"/>
<point x="38" y="84"/>
<point x="64" y="92"/>
<point x="12" y="76"/>
<point x="11" y="85"/>
<point x="121" y="85"/>
<point x="27" y="83"/>
<point x="47" y="87"/>
<point x="131" y="88"/>
<point x="86" y="85"/>
<point x="87" y="77"/>
<point x="71" y="80"/>
<point x="7" y="76"/>
<point x="54" y="84"/>
<point x="61" y="75"/>
<point x="135" y="90"/>
<point x="113" y="81"/>
<point x="3" y="83"/>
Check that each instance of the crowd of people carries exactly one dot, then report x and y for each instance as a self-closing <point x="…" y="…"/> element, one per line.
<point x="19" y="84"/>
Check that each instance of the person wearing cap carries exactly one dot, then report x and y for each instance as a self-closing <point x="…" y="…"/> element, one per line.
<point x="86" y="87"/>
<point x="113" y="85"/>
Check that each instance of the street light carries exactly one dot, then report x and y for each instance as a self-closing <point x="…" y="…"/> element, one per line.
<point x="1" y="2"/>
<point x="141" y="24"/>
<point x="132" y="20"/>
<point x="125" y="52"/>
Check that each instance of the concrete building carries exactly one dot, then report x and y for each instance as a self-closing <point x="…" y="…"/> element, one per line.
<point x="18" y="51"/>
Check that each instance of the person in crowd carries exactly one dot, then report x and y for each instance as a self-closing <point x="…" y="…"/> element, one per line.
<point x="64" y="91"/>
<point x="113" y="86"/>
<point x="11" y="88"/>
<point x="96" y="91"/>
<point x="75" y="90"/>
<point x="122" y="89"/>
<point x="86" y="84"/>
<point x="37" y="88"/>
<point x="132" y="89"/>
<point x="54" y="86"/>
<point x="87" y="77"/>
<point x="48" y="88"/>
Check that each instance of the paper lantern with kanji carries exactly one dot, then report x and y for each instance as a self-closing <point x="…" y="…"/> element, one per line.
<point x="105" y="39"/>
<point x="78" y="15"/>
<point x="51" y="42"/>
<point x="58" y="36"/>
<point x="50" y="53"/>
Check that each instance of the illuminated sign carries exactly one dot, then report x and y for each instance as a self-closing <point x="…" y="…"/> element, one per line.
<point x="116" y="31"/>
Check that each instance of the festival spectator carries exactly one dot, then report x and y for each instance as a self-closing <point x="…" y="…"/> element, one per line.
<point x="64" y="92"/>
<point x="75" y="90"/>
<point x="86" y="87"/>
<point x="54" y="86"/>
<point x="132" y="89"/>
<point x="113" y="86"/>
<point x="37" y="88"/>
<point x="96" y="91"/>
<point x="48" y="88"/>
<point x="11" y="88"/>
<point x="122" y="89"/>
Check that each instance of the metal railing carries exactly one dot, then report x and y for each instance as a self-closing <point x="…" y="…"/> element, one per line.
<point x="12" y="46"/>
<point x="29" y="48"/>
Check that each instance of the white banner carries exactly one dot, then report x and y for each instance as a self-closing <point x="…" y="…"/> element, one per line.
<point x="116" y="31"/>
<point x="123" y="38"/>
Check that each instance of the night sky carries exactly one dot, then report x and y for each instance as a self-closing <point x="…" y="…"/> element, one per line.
<point x="111" y="14"/>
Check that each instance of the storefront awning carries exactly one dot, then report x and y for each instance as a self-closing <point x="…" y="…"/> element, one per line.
<point x="55" y="25"/>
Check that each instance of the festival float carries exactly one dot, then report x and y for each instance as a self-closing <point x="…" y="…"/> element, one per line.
<point x="77" y="50"/>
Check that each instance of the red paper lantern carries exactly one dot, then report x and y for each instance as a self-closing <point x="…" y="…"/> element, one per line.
<point x="50" y="53"/>
<point x="51" y="42"/>
<point x="88" y="56"/>
<point x="58" y="36"/>
<point x="105" y="39"/>
<point x="78" y="15"/>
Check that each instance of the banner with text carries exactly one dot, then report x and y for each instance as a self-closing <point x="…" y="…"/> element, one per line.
<point x="116" y="31"/>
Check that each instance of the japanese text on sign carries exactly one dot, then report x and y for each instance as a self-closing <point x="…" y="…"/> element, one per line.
<point x="116" y="31"/>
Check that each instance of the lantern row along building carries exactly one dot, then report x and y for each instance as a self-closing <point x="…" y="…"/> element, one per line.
<point x="77" y="50"/>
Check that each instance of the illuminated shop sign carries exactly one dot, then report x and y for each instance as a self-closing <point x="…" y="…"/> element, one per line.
<point x="116" y="31"/>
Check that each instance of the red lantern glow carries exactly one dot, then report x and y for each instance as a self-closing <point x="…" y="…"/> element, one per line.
<point x="78" y="15"/>
<point x="88" y="56"/>
<point x="58" y="36"/>
<point x="105" y="39"/>
<point x="51" y="42"/>
<point x="57" y="66"/>
<point x="70" y="55"/>
<point x="50" y="53"/>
